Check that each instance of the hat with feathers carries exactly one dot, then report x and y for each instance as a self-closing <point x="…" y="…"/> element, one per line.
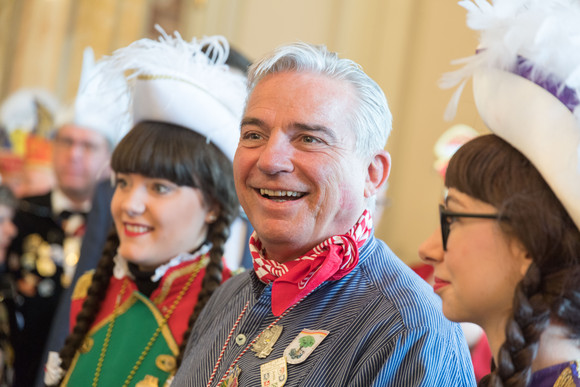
<point x="29" y="110"/>
<point x="101" y="103"/>
<point x="184" y="83"/>
<point x="526" y="84"/>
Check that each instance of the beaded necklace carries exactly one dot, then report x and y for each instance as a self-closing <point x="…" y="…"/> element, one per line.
<point x="153" y="338"/>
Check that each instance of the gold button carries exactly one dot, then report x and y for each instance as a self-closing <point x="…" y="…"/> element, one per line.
<point x="165" y="363"/>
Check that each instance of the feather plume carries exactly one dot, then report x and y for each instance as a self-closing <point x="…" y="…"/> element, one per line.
<point x="544" y="32"/>
<point x="171" y="56"/>
<point x="184" y="83"/>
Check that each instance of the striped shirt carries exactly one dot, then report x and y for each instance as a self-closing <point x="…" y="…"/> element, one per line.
<point x="386" y="329"/>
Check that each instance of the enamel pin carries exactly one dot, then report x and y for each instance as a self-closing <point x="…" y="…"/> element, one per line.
<point x="274" y="373"/>
<point x="303" y="345"/>
<point x="232" y="379"/>
<point x="263" y="346"/>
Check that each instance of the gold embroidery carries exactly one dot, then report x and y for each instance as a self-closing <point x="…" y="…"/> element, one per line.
<point x="149" y="381"/>
<point x="82" y="286"/>
<point x="87" y="345"/>
<point x="168" y="281"/>
<point x="566" y="378"/>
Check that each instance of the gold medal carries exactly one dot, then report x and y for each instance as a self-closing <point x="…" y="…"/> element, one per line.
<point x="31" y="242"/>
<point x="274" y="373"/>
<point x="45" y="266"/>
<point x="265" y="343"/>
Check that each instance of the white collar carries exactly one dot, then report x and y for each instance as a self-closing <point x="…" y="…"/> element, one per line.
<point x="121" y="268"/>
<point x="60" y="202"/>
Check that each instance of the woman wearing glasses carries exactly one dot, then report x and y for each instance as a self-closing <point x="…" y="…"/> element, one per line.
<point x="507" y="255"/>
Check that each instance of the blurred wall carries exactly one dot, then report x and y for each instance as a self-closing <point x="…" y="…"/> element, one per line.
<point x="405" y="45"/>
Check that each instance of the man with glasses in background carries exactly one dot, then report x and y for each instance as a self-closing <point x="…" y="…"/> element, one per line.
<point x="44" y="255"/>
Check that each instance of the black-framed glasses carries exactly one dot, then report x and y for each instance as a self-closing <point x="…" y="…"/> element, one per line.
<point x="445" y="217"/>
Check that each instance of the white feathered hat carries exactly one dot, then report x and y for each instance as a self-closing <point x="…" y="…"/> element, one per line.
<point x="20" y="109"/>
<point x="526" y="84"/>
<point x="185" y="83"/>
<point x="102" y="101"/>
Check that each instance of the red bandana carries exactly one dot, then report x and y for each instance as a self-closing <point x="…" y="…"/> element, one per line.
<point x="331" y="260"/>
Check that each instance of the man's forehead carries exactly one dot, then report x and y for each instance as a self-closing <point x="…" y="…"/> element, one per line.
<point x="80" y="132"/>
<point x="300" y="97"/>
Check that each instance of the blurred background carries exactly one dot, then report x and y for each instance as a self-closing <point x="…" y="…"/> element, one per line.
<point x="404" y="45"/>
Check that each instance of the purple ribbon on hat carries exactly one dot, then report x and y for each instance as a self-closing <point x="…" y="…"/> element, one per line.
<point x="548" y="82"/>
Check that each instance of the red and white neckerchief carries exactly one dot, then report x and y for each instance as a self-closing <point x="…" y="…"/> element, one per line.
<point x="331" y="260"/>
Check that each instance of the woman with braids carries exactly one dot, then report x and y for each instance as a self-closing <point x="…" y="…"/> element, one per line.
<point x="507" y="255"/>
<point x="173" y="204"/>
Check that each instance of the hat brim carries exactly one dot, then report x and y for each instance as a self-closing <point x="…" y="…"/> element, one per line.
<point x="537" y="124"/>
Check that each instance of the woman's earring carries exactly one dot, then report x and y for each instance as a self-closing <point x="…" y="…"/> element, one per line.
<point x="211" y="218"/>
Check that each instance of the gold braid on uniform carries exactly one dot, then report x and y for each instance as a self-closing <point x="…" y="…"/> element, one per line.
<point x="92" y="303"/>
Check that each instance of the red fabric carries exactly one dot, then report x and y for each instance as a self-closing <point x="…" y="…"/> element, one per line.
<point x="424" y="271"/>
<point x="331" y="260"/>
<point x="481" y="358"/>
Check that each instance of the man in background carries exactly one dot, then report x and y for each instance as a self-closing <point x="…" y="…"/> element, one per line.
<point x="43" y="257"/>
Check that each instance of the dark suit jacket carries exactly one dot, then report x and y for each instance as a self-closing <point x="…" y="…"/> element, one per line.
<point x="99" y="222"/>
<point x="33" y="312"/>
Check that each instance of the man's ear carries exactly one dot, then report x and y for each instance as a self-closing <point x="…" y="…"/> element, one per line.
<point x="377" y="172"/>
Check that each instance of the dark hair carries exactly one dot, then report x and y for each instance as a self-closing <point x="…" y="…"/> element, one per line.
<point x="178" y="154"/>
<point x="491" y="170"/>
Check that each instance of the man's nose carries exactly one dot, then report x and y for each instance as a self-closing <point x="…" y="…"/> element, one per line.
<point x="276" y="155"/>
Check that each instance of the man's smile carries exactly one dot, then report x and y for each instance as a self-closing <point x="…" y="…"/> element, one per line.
<point x="279" y="195"/>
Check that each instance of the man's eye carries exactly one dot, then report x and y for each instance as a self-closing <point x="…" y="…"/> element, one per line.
<point x="251" y="136"/>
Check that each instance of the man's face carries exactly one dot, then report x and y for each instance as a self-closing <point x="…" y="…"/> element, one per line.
<point x="80" y="158"/>
<point x="296" y="171"/>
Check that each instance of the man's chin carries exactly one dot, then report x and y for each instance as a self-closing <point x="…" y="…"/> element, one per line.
<point x="75" y="192"/>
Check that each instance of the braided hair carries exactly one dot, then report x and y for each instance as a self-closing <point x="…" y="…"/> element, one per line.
<point x="491" y="170"/>
<point x="181" y="155"/>
<point x="95" y="295"/>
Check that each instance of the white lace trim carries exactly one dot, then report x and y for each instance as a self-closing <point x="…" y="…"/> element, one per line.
<point x="121" y="268"/>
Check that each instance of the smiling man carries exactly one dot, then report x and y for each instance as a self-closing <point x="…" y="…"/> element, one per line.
<point x="327" y="304"/>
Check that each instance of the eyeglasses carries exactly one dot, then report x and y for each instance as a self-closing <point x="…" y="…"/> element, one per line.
<point x="446" y="218"/>
<point x="68" y="143"/>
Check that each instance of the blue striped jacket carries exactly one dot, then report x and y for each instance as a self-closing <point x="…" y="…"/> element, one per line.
<point x="386" y="329"/>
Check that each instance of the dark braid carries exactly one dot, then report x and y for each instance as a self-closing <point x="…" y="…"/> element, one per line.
<point x="96" y="294"/>
<point x="218" y="234"/>
<point x="531" y="315"/>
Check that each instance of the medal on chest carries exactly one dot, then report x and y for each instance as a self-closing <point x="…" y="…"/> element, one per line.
<point x="265" y="343"/>
<point x="274" y="373"/>
<point x="232" y="379"/>
<point x="303" y="345"/>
